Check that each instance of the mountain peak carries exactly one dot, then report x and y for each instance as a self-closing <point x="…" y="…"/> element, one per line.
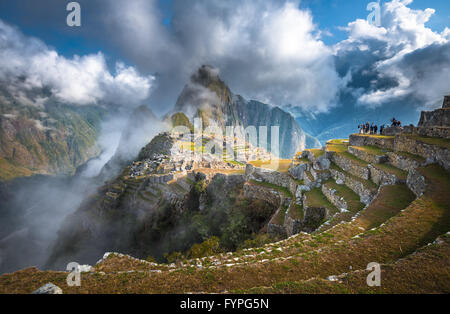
<point x="206" y="75"/>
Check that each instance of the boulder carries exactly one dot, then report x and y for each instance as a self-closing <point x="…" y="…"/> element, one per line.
<point x="322" y="163"/>
<point x="48" y="289"/>
<point x="298" y="171"/>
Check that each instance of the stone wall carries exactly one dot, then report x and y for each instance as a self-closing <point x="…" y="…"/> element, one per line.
<point x="432" y="153"/>
<point x="362" y="140"/>
<point x="435" y="131"/>
<point x="439" y="117"/>
<point x="291" y="225"/>
<point x="314" y="216"/>
<point x="268" y="195"/>
<point x="351" y="167"/>
<point x="370" y="158"/>
<point x="334" y="199"/>
<point x="366" y="195"/>
<point x="446" y="103"/>
<point x="402" y="162"/>
<point x="381" y="177"/>
<point x="416" y="182"/>
<point x="269" y="176"/>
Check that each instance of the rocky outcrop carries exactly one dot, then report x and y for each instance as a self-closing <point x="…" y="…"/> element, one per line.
<point x="298" y="171"/>
<point x="206" y="96"/>
<point x="321" y="163"/>
<point x="381" y="142"/>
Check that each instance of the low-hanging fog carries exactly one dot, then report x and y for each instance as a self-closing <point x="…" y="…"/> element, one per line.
<point x="32" y="209"/>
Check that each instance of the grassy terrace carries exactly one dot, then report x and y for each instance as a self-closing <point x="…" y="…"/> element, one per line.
<point x="375" y="136"/>
<point x="398" y="277"/>
<point x="352" y="199"/>
<point x="340" y="147"/>
<point x="279" y="218"/>
<point x="373" y="150"/>
<point x="441" y="142"/>
<point x="409" y="226"/>
<point x="282" y="189"/>
<point x="367" y="183"/>
<point x="315" y="198"/>
<point x="399" y="173"/>
<point x="282" y="165"/>
<point x="411" y="156"/>
<point x="414" y="227"/>
<point x="296" y="212"/>
<point x="316" y="152"/>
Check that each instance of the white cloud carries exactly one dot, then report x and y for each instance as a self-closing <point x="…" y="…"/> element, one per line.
<point x="27" y="64"/>
<point x="402" y="36"/>
<point x="266" y="50"/>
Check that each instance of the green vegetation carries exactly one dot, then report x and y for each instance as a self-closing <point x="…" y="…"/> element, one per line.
<point x="352" y="199"/>
<point x="399" y="173"/>
<point x="315" y="198"/>
<point x="296" y="212"/>
<point x="419" y="159"/>
<point x="180" y="119"/>
<point x="279" y="218"/>
<point x="54" y="140"/>
<point x="316" y="152"/>
<point x="282" y="189"/>
<point x="280" y="165"/>
<point x="373" y="150"/>
<point x="367" y="183"/>
<point x="441" y="142"/>
<point x="9" y="170"/>
<point x="375" y="136"/>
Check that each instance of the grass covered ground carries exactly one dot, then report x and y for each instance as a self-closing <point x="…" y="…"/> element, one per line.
<point x="280" y="165"/>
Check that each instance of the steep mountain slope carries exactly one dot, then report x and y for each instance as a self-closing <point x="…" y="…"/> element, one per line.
<point x="206" y="96"/>
<point x="50" y="139"/>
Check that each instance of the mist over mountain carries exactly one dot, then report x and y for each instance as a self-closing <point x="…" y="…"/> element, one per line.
<point x="141" y="127"/>
<point x="206" y="96"/>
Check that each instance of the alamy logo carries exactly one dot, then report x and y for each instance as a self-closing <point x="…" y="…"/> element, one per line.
<point x="74" y="17"/>
<point x="374" y="18"/>
<point x="74" y="277"/>
<point x="374" y="277"/>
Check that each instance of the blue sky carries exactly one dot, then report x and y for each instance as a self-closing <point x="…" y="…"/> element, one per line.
<point x="266" y="50"/>
<point x="329" y="15"/>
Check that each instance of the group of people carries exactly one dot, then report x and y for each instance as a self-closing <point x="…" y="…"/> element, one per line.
<point x="371" y="128"/>
<point x="395" y="122"/>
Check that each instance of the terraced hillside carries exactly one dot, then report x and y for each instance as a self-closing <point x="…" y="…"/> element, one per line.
<point x="375" y="212"/>
<point x="369" y="199"/>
